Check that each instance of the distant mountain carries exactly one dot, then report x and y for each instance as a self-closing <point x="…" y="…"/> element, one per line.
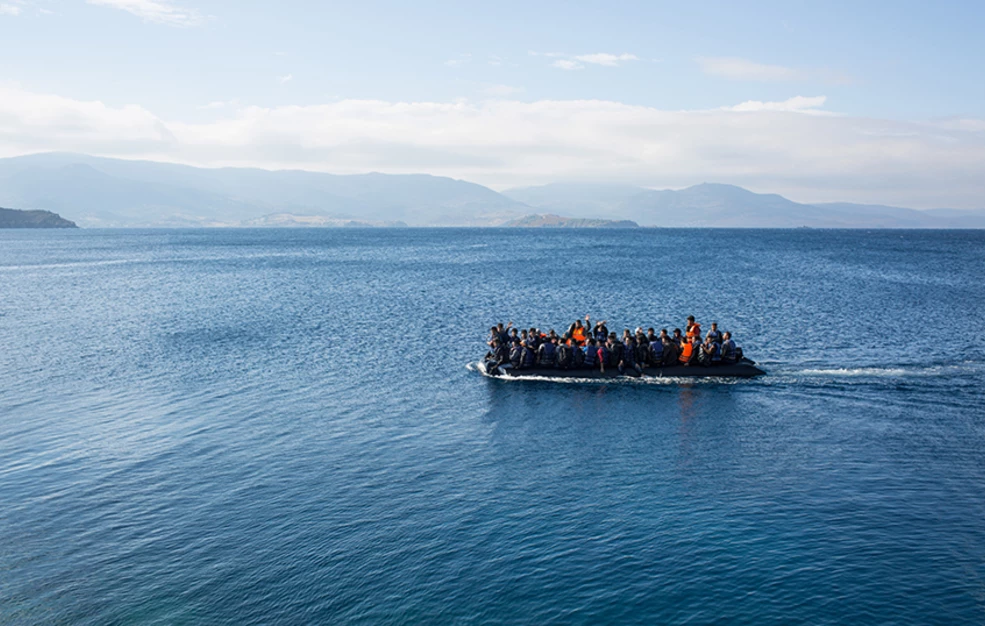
<point x="728" y="206"/>
<point x="575" y="199"/>
<point x="557" y="221"/>
<point x="97" y="191"/>
<point x="114" y="192"/>
<point x="12" y="218"/>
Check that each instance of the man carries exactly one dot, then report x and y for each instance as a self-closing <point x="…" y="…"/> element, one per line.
<point x="615" y="351"/>
<point x="671" y="351"/>
<point x="579" y="333"/>
<point x="692" y="328"/>
<point x="514" y="337"/>
<point x="689" y="351"/>
<point x="499" y="355"/>
<point x="651" y="336"/>
<point x="642" y="349"/>
<point x="708" y="354"/>
<point x="603" y="354"/>
<point x="656" y="352"/>
<point x="601" y="332"/>
<point x="629" y="356"/>
<point x="590" y="354"/>
<point x="516" y="355"/>
<point x="714" y="334"/>
<point x="565" y="358"/>
<point x="678" y="338"/>
<point x="547" y="353"/>
<point x="729" y="350"/>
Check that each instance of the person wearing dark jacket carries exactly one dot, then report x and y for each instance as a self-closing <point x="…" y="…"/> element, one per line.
<point x="601" y="332"/>
<point x="729" y="350"/>
<point x="629" y="361"/>
<point x="546" y="354"/>
<point x="671" y="351"/>
<point x="565" y="358"/>
<point x="516" y="355"/>
<point x="499" y="355"/>
<point x="590" y="354"/>
<point x="615" y="351"/>
<point x="603" y="354"/>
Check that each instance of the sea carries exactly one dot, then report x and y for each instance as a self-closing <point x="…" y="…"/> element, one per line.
<point x="225" y="426"/>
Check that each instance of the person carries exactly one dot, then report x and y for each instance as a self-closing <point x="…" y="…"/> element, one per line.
<point x="579" y="332"/>
<point x="499" y="355"/>
<point x="590" y="354"/>
<point x="601" y="332"/>
<point x="546" y="353"/>
<point x="629" y="361"/>
<point x="493" y="336"/>
<point x="615" y="351"/>
<point x="565" y="359"/>
<point x="729" y="351"/>
<point x="642" y="349"/>
<point x="678" y="338"/>
<point x="516" y="355"/>
<point x="529" y="356"/>
<point x="692" y="329"/>
<point x="671" y="351"/>
<point x="603" y="355"/>
<point x="651" y="337"/>
<point x="656" y="352"/>
<point x="689" y="351"/>
<point x="514" y="337"/>
<point x="708" y="354"/>
<point x="714" y="334"/>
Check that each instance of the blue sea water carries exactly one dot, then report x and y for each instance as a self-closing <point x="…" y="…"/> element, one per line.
<point x="282" y="427"/>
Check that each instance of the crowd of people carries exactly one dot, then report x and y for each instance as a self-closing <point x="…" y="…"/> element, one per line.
<point x="585" y="346"/>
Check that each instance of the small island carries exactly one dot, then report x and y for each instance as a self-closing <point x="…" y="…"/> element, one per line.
<point x="13" y="218"/>
<point x="558" y="221"/>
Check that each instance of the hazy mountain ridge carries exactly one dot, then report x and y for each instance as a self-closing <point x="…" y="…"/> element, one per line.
<point x="558" y="221"/>
<point x="96" y="191"/>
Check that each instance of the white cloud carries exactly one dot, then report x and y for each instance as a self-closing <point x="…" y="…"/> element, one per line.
<point x="9" y="9"/>
<point x="578" y="61"/>
<point x="775" y="147"/>
<point x="608" y="60"/>
<point x="567" y="64"/>
<point x="798" y="104"/>
<point x="157" y="11"/>
<point x="735" y="68"/>
<point x="285" y="79"/>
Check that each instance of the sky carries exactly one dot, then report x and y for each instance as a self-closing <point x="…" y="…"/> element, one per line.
<point x="879" y="102"/>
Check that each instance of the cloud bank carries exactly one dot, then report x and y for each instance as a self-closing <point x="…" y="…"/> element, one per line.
<point x="156" y="11"/>
<point x="783" y="147"/>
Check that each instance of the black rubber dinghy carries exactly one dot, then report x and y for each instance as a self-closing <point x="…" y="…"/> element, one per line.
<point x="743" y="369"/>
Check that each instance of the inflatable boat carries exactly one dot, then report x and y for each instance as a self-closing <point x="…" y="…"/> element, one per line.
<point x="743" y="369"/>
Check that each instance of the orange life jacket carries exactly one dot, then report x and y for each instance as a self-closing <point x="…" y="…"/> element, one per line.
<point x="686" y="351"/>
<point x="694" y="330"/>
<point x="578" y="335"/>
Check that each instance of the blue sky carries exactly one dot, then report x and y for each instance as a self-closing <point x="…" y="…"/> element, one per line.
<point x="889" y="96"/>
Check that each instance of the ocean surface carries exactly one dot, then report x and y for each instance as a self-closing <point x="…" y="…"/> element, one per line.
<point x="284" y="427"/>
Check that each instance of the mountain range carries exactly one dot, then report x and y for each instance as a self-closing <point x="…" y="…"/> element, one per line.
<point x="104" y="192"/>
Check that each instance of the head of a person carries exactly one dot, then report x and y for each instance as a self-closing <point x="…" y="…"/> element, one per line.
<point x="677" y="332"/>
<point x="629" y="340"/>
<point x="663" y="332"/>
<point x="590" y="341"/>
<point x="514" y="332"/>
<point x="726" y="335"/>
<point x="578" y="324"/>
<point x="500" y="326"/>
<point x="493" y="329"/>
<point x="523" y="334"/>
<point x="690" y="319"/>
<point x="714" y="325"/>
<point x="695" y="339"/>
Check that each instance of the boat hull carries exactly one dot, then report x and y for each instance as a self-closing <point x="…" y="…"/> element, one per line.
<point x="742" y="369"/>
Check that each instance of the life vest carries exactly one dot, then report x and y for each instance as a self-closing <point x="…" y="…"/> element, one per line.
<point x="694" y="330"/>
<point x="578" y="334"/>
<point x="591" y="356"/>
<point x="686" y="350"/>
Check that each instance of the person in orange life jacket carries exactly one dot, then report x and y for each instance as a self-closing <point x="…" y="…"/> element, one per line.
<point x="579" y="332"/>
<point x="692" y="329"/>
<point x="547" y="353"/>
<point x="714" y="334"/>
<point x="629" y="356"/>
<point x="689" y="351"/>
<point x="730" y="353"/>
